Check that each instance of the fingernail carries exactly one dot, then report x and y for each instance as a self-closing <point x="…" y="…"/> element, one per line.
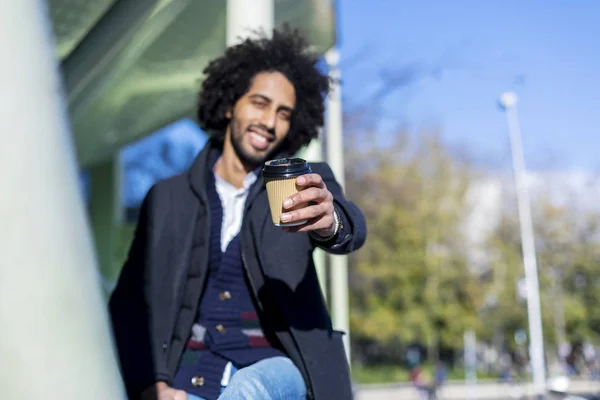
<point x="286" y="217"/>
<point x="288" y="202"/>
<point x="301" y="180"/>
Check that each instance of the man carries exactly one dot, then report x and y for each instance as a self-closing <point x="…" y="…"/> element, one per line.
<point x="214" y="300"/>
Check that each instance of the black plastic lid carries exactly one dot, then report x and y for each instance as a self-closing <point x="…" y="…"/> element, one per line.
<point x="286" y="168"/>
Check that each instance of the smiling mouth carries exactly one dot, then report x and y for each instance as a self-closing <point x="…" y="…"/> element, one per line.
<point x="258" y="141"/>
<point x="258" y="138"/>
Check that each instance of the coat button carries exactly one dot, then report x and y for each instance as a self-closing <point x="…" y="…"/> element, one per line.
<point x="198" y="381"/>
<point x="225" y="295"/>
<point x="221" y="328"/>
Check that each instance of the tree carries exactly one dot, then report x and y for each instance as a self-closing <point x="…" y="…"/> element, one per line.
<point x="568" y="256"/>
<point x="410" y="283"/>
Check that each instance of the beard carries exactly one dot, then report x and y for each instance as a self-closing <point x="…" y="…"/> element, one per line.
<point x="248" y="157"/>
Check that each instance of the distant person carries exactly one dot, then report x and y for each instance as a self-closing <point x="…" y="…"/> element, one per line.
<point x="422" y="382"/>
<point x="215" y="300"/>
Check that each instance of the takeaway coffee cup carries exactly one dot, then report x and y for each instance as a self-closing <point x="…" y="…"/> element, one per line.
<point x="280" y="178"/>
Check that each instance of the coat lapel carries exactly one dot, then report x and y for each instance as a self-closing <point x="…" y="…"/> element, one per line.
<point x="277" y="249"/>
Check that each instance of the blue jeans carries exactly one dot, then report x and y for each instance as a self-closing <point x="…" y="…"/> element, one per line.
<point x="274" y="378"/>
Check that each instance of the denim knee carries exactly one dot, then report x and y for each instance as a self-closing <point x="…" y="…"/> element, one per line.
<point x="271" y="379"/>
<point x="251" y="383"/>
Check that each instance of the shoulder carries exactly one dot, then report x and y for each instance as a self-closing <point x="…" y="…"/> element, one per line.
<point x="166" y="189"/>
<point x="176" y="182"/>
<point x="169" y="201"/>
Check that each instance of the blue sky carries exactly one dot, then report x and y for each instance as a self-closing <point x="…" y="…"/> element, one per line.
<point x="469" y="52"/>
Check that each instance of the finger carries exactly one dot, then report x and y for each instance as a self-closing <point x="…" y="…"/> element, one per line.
<point x="311" y="180"/>
<point x="307" y="213"/>
<point x="312" y="225"/>
<point x="306" y="196"/>
<point x="298" y="228"/>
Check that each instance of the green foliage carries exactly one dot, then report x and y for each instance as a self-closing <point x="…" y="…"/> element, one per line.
<point x="568" y="256"/>
<point x="379" y="374"/>
<point x="410" y="283"/>
<point x="394" y="373"/>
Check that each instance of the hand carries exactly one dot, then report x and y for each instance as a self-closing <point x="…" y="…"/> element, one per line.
<point x="162" y="391"/>
<point x="314" y="203"/>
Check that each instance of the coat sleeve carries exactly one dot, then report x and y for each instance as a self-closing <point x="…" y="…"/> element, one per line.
<point x="354" y="232"/>
<point x="131" y="314"/>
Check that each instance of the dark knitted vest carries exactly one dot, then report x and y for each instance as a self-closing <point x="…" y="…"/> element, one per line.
<point x="227" y="326"/>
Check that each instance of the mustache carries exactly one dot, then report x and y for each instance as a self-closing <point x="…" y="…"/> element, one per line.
<point x="270" y="131"/>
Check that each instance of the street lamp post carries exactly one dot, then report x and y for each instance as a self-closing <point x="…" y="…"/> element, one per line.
<point x="508" y="101"/>
<point x="335" y="158"/>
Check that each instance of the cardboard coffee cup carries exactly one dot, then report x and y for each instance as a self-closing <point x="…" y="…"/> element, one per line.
<point x="280" y="178"/>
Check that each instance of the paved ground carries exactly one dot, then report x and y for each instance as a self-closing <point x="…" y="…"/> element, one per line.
<point x="458" y="390"/>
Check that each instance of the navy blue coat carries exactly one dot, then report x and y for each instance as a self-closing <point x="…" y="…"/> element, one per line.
<point x="156" y="299"/>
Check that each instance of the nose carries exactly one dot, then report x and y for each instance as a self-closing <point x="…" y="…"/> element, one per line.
<point x="269" y="119"/>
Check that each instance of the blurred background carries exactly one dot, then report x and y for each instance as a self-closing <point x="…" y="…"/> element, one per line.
<point x="439" y="293"/>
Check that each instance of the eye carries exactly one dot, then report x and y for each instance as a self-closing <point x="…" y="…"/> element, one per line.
<point x="285" y="115"/>
<point x="259" y="104"/>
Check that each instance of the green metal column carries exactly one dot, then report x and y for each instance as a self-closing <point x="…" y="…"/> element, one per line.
<point x="106" y="214"/>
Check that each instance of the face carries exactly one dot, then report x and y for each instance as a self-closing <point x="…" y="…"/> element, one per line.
<point x="260" y="120"/>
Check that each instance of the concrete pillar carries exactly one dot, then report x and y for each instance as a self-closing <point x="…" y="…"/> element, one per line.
<point x="244" y="16"/>
<point x="56" y="341"/>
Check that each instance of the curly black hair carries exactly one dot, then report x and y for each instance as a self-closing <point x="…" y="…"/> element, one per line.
<point x="229" y="77"/>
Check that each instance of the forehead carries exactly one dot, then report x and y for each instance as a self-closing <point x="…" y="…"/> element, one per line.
<point x="275" y="86"/>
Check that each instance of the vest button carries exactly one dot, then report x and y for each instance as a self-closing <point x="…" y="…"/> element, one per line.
<point x="225" y="295"/>
<point x="221" y="328"/>
<point x="198" y="381"/>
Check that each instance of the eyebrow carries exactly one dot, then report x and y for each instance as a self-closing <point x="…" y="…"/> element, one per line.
<point x="268" y="100"/>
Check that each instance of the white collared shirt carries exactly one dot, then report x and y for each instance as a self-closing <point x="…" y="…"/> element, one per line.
<point x="233" y="200"/>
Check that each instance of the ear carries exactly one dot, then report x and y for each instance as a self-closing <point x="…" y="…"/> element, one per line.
<point x="228" y="113"/>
